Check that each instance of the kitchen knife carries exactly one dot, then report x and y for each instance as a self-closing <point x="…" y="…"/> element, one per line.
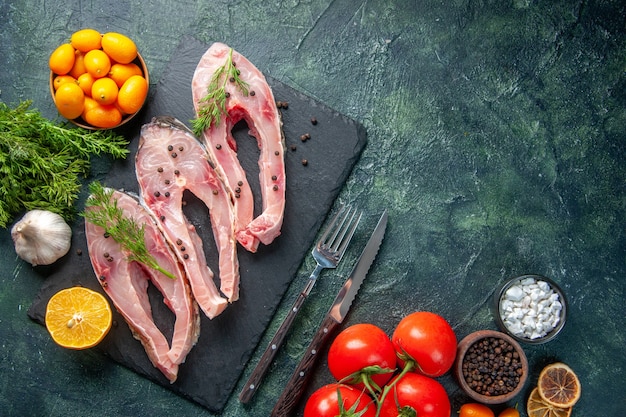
<point x="333" y="319"/>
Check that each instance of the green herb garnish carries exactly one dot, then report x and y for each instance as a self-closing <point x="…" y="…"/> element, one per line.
<point x="213" y="104"/>
<point x="124" y="230"/>
<point x="41" y="161"/>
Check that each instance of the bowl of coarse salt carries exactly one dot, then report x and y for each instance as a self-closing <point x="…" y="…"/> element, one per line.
<point x="531" y="308"/>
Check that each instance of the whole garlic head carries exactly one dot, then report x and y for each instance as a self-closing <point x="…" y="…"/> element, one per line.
<point x="41" y="237"/>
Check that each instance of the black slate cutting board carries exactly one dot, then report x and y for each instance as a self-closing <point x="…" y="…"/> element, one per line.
<point x="226" y="343"/>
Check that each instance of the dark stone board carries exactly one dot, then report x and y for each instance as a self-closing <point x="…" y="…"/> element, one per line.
<point x="227" y="342"/>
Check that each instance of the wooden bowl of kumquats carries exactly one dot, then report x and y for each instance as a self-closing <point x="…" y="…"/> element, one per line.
<point x="98" y="81"/>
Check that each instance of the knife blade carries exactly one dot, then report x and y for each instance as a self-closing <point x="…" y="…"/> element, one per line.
<point x="333" y="319"/>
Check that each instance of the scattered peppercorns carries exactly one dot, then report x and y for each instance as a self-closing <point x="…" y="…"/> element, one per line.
<point x="492" y="367"/>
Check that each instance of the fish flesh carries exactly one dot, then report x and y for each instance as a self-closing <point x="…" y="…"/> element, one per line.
<point x="170" y="161"/>
<point x="126" y="284"/>
<point x="255" y="105"/>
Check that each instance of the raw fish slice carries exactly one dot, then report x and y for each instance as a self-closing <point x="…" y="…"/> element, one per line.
<point x="126" y="284"/>
<point x="169" y="161"/>
<point x="258" y="109"/>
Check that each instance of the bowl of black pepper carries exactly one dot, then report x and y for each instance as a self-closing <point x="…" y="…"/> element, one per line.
<point x="491" y="367"/>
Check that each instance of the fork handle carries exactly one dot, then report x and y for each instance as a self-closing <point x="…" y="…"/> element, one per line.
<point x="251" y="386"/>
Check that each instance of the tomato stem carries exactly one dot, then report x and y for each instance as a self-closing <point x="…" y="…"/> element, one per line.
<point x="409" y="365"/>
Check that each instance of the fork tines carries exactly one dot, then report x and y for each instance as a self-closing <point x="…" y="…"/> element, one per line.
<point x="342" y="226"/>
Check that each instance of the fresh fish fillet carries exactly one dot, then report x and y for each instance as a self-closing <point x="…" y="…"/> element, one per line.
<point x="126" y="284"/>
<point x="169" y="161"/>
<point x="258" y="109"/>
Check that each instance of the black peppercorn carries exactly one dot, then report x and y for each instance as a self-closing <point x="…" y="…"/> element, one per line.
<point x="490" y="372"/>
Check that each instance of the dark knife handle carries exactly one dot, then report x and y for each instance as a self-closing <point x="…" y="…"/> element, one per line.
<point x="251" y="386"/>
<point x="295" y="387"/>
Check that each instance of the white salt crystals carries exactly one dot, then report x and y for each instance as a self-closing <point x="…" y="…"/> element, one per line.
<point x="530" y="308"/>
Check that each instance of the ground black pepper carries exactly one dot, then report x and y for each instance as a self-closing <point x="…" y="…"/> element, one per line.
<point x="492" y="367"/>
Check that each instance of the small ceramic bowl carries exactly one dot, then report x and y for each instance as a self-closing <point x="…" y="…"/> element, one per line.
<point x="491" y="367"/>
<point x="530" y="308"/>
<point x="81" y="123"/>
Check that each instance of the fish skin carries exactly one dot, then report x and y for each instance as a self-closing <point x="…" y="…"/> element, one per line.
<point x="126" y="284"/>
<point x="162" y="191"/>
<point x="264" y="122"/>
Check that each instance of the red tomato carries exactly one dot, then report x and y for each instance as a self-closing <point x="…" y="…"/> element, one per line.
<point x="428" y="340"/>
<point x="424" y="395"/>
<point x="325" y="402"/>
<point x="475" y="410"/>
<point x="358" y="347"/>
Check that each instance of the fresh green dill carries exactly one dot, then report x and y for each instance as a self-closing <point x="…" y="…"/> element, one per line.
<point x="102" y="210"/>
<point x="42" y="162"/>
<point x="213" y="104"/>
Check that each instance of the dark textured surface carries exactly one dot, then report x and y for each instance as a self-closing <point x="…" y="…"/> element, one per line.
<point x="335" y="145"/>
<point x="496" y="139"/>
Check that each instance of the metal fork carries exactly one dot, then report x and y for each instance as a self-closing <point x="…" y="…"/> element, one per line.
<point x="327" y="253"/>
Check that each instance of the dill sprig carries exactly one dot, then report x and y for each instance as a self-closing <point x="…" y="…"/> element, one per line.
<point x="42" y="162"/>
<point x="106" y="214"/>
<point x="213" y="104"/>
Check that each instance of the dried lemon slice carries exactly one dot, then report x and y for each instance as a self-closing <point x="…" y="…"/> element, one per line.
<point x="538" y="407"/>
<point x="558" y="385"/>
<point x="78" y="318"/>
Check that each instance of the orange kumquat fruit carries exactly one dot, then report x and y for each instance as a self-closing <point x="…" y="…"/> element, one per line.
<point x="122" y="72"/>
<point x="69" y="100"/>
<point x="62" y="59"/>
<point x="104" y="91"/>
<point x="132" y="94"/>
<point x="97" y="63"/>
<point x="86" y="40"/>
<point x="85" y="82"/>
<point x="106" y="117"/>
<point x="62" y="79"/>
<point x="79" y="65"/>
<point x="89" y="104"/>
<point x="119" y="47"/>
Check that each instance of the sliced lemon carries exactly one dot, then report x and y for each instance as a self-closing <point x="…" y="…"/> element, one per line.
<point x="538" y="407"/>
<point x="558" y="385"/>
<point x="78" y="318"/>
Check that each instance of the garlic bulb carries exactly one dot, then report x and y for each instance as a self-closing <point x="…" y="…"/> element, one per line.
<point x="41" y="237"/>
